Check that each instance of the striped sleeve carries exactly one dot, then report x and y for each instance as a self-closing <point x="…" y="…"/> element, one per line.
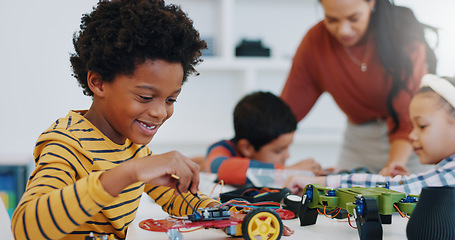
<point x="442" y="175"/>
<point x="223" y="159"/>
<point x="177" y="205"/>
<point x="54" y="203"/>
<point x="64" y="198"/>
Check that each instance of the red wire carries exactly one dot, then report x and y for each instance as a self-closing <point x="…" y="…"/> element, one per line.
<point x="401" y="213"/>
<point x="325" y="213"/>
<point x="349" y="221"/>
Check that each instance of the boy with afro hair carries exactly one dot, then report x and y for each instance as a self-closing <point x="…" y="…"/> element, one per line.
<point x="131" y="57"/>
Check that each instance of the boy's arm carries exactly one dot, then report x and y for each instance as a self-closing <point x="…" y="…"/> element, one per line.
<point x="233" y="170"/>
<point x="55" y="202"/>
<point x="223" y="159"/>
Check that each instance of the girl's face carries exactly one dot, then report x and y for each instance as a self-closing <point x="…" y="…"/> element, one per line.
<point x="135" y="106"/>
<point x="347" y="20"/>
<point x="433" y="136"/>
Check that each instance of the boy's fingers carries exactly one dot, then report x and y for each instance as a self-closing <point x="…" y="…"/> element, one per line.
<point x="191" y="173"/>
<point x="195" y="184"/>
<point x="195" y="181"/>
<point x="184" y="183"/>
<point x="190" y="179"/>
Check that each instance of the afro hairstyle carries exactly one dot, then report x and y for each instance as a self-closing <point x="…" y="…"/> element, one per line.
<point x="119" y="35"/>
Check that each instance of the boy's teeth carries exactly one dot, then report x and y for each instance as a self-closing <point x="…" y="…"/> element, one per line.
<point x="145" y="125"/>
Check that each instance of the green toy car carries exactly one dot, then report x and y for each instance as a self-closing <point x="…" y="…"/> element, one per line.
<point x="371" y="207"/>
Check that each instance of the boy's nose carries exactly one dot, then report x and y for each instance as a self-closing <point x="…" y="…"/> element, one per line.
<point x="158" y="110"/>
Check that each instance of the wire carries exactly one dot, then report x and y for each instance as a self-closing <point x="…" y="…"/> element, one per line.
<point x="261" y="191"/>
<point x="325" y="213"/>
<point x="184" y="199"/>
<point x="349" y="221"/>
<point x="245" y="204"/>
<point x="221" y="182"/>
<point x="401" y="213"/>
<point x="248" y="190"/>
<point x="191" y="230"/>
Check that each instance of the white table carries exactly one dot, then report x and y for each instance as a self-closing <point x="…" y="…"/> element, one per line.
<point x="324" y="229"/>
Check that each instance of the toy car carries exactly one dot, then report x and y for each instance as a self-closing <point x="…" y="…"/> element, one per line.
<point x="371" y="207"/>
<point x="250" y="223"/>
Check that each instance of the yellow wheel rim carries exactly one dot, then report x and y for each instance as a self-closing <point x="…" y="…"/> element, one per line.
<point x="265" y="226"/>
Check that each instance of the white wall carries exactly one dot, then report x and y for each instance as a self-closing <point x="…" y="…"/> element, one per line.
<point x="36" y="82"/>
<point x="37" y="86"/>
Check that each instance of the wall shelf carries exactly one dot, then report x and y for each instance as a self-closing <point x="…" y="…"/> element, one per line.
<point x="203" y="113"/>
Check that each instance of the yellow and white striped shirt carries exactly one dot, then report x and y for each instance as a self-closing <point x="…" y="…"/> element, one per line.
<point x="64" y="198"/>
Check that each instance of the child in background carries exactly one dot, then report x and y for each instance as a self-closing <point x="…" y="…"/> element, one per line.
<point x="92" y="166"/>
<point x="432" y="112"/>
<point x="264" y="129"/>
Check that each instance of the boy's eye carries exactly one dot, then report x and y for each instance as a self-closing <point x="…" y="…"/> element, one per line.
<point x="146" y="98"/>
<point x="279" y="151"/>
<point x="171" y="101"/>
<point x="422" y="126"/>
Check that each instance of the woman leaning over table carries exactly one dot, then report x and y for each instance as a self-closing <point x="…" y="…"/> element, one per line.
<point x="370" y="56"/>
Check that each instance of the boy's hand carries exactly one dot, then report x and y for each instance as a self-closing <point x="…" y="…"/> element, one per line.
<point x="158" y="170"/>
<point x="308" y="165"/>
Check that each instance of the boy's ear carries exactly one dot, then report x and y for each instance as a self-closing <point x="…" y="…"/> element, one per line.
<point x="245" y="148"/>
<point x="95" y="83"/>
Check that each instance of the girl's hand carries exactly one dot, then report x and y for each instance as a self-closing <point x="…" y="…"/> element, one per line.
<point x="394" y="169"/>
<point x="296" y="184"/>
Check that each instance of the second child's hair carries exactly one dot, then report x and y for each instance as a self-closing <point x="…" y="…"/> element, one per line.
<point x="262" y="117"/>
<point x="121" y="34"/>
<point x="444" y="104"/>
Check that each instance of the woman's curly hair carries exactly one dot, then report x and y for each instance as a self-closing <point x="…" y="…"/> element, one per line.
<point x="121" y="34"/>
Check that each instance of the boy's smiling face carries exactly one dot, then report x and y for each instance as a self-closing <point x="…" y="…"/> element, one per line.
<point x="135" y="106"/>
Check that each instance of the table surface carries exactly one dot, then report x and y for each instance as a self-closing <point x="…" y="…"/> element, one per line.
<point x="325" y="228"/>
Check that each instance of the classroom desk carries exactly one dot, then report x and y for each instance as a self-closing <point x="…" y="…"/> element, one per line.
<point x="324" y="229"/>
